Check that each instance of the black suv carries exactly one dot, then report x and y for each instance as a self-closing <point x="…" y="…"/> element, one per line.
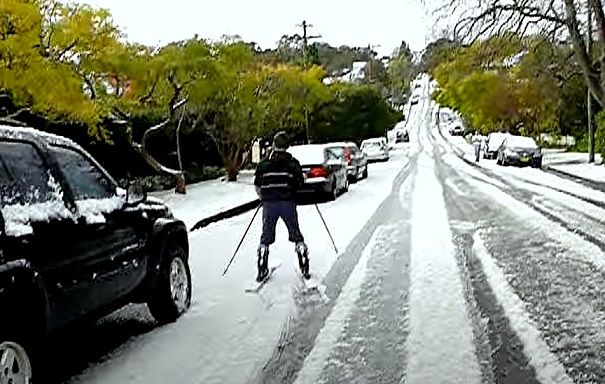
<point x="75" y="246"/>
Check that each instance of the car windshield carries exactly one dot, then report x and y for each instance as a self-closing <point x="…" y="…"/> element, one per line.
<point x="394" y="191"/>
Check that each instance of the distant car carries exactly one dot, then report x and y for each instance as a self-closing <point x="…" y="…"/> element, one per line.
<point x="357" y="162"/>
<point x="519" y="150"/>
<point x="402" y="136"/>
<point x="456" y="129"/>
<point x="494" y="141"/>
<point x="75" y="246"/>
<point x="324" y="171"/>
<point x="375" y="149"/>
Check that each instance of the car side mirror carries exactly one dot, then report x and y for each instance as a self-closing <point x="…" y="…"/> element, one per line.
<point x="133" y="194"/>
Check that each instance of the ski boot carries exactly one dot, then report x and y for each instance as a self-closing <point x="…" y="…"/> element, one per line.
<point x="262" y="262"/>
<point x="303" y="259"/>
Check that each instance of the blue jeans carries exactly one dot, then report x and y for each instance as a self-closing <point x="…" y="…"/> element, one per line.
<point x="272" y="211"/>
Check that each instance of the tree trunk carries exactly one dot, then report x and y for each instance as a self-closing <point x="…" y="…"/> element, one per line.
<point x="179" y="177"/>
<point x="232" y="172"/>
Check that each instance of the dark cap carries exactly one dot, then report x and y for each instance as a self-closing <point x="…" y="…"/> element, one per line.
<point x="280" y="140"/>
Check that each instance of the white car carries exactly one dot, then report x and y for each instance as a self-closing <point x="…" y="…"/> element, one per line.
<point x="375" y="149"/>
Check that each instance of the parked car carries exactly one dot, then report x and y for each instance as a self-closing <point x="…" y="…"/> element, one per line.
<point x="75" y="245"/>
<point x="402" y="136"/>
<point x="325" y="172"/>
<point x="494" y="141"/>
<point x="375" y="149"/>
<point x="357" y="163"/>
<point x="519" y="150"/>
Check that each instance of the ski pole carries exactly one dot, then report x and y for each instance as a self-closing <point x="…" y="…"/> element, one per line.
<point x="327" y="229"/>
<point x="241" y="241"/>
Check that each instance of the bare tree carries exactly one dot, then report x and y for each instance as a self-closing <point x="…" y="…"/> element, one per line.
<point x="141" y="148"/>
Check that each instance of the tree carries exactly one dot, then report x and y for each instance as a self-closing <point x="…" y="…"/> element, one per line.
<point x="355" y="113"/>
<point x="33" y="75"/>
<point x="400" y="72"/>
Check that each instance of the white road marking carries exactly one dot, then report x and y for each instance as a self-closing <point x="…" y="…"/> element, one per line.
<point x="328" y="336"/>
<point x="547" y="366"/>
<point x="440" y="345"/>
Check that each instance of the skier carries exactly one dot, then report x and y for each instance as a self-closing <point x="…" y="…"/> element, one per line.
<point x="277" y="179"/>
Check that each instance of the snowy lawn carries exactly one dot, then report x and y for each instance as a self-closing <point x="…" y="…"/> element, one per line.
<point x="208" y="198"/>
<point x="585" y="171"/>
<point x="228" y="334"/>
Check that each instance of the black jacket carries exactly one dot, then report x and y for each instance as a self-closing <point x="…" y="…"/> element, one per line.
<point x="279" y="177"/>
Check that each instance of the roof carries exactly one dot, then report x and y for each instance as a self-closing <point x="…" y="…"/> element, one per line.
<point x="20" y="133"/>
<point x="341" y="144"/>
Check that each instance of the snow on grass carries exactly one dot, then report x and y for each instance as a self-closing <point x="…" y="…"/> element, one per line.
<point x="334" y="326"/>
<point x="208" y="198"/>
<point x="547" y="366"/>
<point x="584" y="171"/>
<point x="440" y="344"/>
<point x="557" y="157"/>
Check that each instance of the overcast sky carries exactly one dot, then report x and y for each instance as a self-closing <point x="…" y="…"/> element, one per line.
<point x="353" y="22"/>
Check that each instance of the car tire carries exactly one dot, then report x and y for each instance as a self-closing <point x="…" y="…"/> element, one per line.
<point x="345" y="189"/>
<point x="503" y="162"/>
<point x="19" y="368"/>
<point x="365" y="173"/>
<point x="171" y="295"/>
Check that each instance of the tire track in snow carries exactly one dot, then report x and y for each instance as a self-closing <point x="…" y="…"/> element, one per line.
<point x="547" y="367"/>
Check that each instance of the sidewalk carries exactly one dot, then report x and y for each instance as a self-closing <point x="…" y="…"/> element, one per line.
<point x="570" y="164"/>
<point x="209" y="198"/>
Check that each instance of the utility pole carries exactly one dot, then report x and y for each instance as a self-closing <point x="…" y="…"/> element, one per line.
<point x="591" y="143"/>
<point x="370" y="48"/>
<point x="306" y="38"/>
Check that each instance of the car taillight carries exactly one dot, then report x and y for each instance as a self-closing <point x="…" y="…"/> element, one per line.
<point x="318" y="172"/>
<point x="347" y="154"/>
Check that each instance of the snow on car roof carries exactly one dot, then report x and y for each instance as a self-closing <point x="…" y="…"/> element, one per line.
<point x="374" y="140"/>
<point x="308" y="154"/>
<point x="24" y="133"/>
<point x="520" y="141"/>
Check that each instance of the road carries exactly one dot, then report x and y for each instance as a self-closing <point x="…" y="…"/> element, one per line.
<point x="447" y="273"/>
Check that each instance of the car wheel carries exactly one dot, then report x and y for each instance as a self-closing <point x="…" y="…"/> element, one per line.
<point x="171" y="296"/>
<point x="15" y="362"/>
<point x="365" y="173"/>
<point x="503" y="162"/>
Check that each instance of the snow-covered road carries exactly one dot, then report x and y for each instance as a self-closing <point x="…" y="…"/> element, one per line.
<point x="447" y="273"/>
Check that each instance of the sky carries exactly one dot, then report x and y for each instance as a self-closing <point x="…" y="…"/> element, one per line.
<point x="356" y="23"/>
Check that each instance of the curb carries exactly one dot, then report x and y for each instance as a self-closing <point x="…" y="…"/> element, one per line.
<point x="229" y="213"/>
<point x="587" y="182"/>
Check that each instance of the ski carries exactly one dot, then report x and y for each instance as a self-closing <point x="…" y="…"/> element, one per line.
<point x="261" y="284"/>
